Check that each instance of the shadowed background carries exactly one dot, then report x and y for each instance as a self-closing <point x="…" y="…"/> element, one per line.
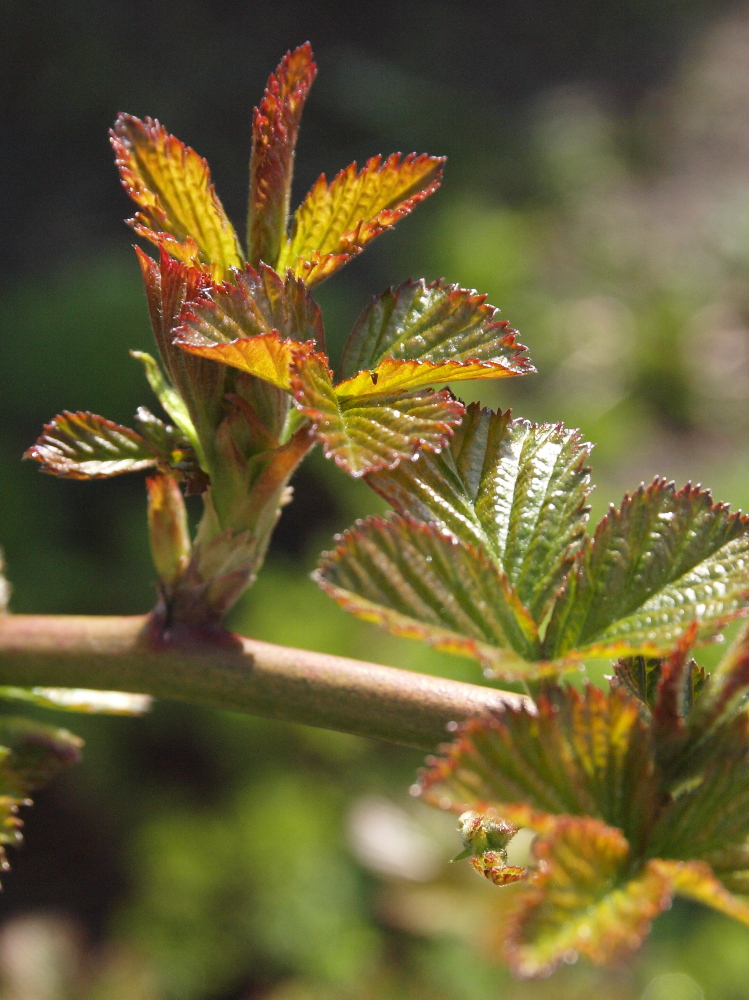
<point x="597" y="189"/>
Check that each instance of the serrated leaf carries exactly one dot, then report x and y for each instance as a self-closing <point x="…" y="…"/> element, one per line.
<point x="336" y="221"/>
<point x="696" y="880"/>
<point x="37" y="754"/>
<point x="420" y="582"/>
<point x="254" y="324"/>
<point x="580" y="901"/>
<point x="658" y="563"/>
<point x="80" y="700"/>
<point x="582" y="754"/>
<point x="85" y="446"/>
<point x="366" y="433"/>
<point x="444" y="332"/>
<point x="171" y="185"/>
<point x="275" y="126"/>
<point x="200" y="385"/>
<point x="517" y="490"/>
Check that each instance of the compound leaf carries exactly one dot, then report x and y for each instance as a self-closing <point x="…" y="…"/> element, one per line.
<point x="171" y="185"/>
<point x="446" y="333"/>
<point x="254" y="324"/>
<point x="581" y="754"/>
<point x="517" y="490"/>
<point x="275" y="126"/>
<point x="419" y="581"/>
<point x="580" y="902"/>
<point x="85" y="446"/>
<point x="661" y="561"/>
<point x="336" y="221"/>
<point x="374" y="431"/>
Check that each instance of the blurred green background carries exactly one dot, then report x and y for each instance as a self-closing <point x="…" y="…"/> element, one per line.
<point x="598" y="190"/>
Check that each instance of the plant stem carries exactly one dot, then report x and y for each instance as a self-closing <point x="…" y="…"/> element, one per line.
<point x="214" y="667"/>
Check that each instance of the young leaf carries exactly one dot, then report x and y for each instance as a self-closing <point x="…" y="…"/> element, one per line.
<point x="420" y="582"/>
<point x="200" y="386"/>
<point x="254" y="324"/>
<point x="517" y="490"/>
<point x="374" y="431"/>
<point x="446" y="332"/>
<point x="275" y="126"/>
<point x="80" y="700"/>
<point x="579" y="901"/>
<point x="582" y="754"/>
<point x="336" y="221"/>
<point x="84" y="446"/>
<point x="661" y="561"/>
<point x="171" y="185"/>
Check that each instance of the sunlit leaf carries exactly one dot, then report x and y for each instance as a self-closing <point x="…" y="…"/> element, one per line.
<point x="376" y="431"/>
<point x="200" y="385"/>
<point x="420" y="582"/>
<point x="255" y="324"/>
<point x="583" y="754"/>
<point x="169" y="398"/>
<point x="336" y="221"/>
<point x="444" y="332"/>
<point x="84" y="446"/>
<point x="661" y="561"/>
<point x="580" y="900"/>
<point x="171" y="185"/>
<point x="80" y="700"/>
<point x="517" y="490"/>
<point x="274" y="132"/>
<point x="695" y="880"/>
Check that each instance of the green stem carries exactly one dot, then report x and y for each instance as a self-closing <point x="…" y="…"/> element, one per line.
<point x="215" y="667"/>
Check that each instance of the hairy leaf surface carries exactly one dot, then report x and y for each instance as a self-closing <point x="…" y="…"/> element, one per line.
<point x="582" y="754"/>
<point x="425" y="584"/>
<point x="275" y="126"/>
<point x="661" y="561"/>
<point x="171" y="185"/>
<point x="579" y="901"/>
<point x="336" y="221"/>
<point x="518" y="490"/>
<point x="453" y="332"/>
<point x="366" y="433"/>
<point x="84" y="446"/>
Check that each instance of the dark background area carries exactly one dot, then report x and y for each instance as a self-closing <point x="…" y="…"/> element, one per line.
<point x="595" y="188"/>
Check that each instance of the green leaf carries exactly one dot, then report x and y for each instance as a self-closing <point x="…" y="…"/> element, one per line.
<point x="660" y="562"/>
<point x="374" y="431"/>
<point x="84" y="446"/>
<point x="169" y="398"/>
<point x="37" y="754"/>
<point x="80" y="700"/>
<point x="418" y="581"/>
<point x="171" y="185"/>
<point x="579" y="901"/>
<point x="336" y="221"/>
<point x="583" y="754"/>
<point x="275" y="126"/>
<point x="452" y="332"/>
<point x="517" y="490"/>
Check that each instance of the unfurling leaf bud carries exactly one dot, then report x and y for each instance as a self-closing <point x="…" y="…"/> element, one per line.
<point x="167" y="523"/>
<point x="485" y="840"/>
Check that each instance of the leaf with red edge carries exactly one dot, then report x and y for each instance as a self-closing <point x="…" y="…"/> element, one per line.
<point x="171" y="185"/>
<point x="421" y="582"/>
<point x="255" y="324"/>
<point x="580" y="900"/>
<point x="582" y="754"/>
<point x="661" y="561"/>
<point x="374" y="431"/>
<point x="696" y="880"/>
<point x="438" y="333"/>
<point x="336" y="221"/>
<point x="515" y="489"/>
<point x="85" y="446"/>
<point x="275" y="126"/>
